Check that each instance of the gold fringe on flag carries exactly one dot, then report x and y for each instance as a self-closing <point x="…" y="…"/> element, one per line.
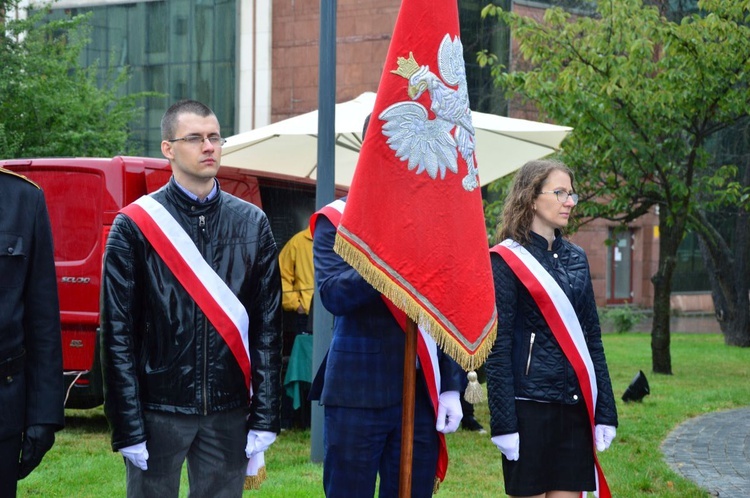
<point x="256" y="471"/>
<point x="254" y="481"/>
<point x="404" y="301"/>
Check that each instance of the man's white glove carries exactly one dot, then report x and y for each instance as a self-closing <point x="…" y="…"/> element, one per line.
<point x="137" y="455"/>
<point x="508" y="444"/>
<point x="449" y="413"/>
<point x="603" y="436"/>
<point x="258" y="442"/>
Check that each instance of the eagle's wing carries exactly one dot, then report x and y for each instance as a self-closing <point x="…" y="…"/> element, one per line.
<point x="451" y="61"/>
<point x="426" y="144"/>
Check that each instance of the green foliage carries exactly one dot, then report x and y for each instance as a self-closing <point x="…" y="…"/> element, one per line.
<point x="9" y="142"/>
<point x="493" y="206"/>
<point x="644" y="96"/>
<point x="623" y="318"/>
<point x="647" y="98"/>
<point x="709" y="377"/>
<point x="49" y="106"/>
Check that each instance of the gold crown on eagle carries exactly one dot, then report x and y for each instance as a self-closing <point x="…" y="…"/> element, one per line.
<point x="406" y="67"/>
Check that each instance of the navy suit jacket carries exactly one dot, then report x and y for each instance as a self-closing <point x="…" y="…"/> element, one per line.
<point x="365" y="363"/>
<point x="29" y="312"/>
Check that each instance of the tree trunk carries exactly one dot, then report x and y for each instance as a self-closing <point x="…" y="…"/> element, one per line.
<point x="669" y="241"/>
<point x="739" y="333"/>
<point x="727" y="273"/>
<point x="728" y="267"/>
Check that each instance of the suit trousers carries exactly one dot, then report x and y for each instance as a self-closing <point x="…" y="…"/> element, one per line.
<point x="10" y="451"/>
<point x="361" y="443"/>
<point x="214" y="446"/>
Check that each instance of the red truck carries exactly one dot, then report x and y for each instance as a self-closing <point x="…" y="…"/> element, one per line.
<point x="83" y="196"/>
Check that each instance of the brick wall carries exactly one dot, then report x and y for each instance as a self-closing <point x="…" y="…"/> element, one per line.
<point x="364" y="30"/>
<point x="644" y="258"/>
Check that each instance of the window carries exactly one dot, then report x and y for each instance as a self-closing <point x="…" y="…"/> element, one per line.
<point x="180" y="48"/>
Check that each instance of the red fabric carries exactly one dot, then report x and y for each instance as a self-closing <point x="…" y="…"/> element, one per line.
<point x="193" y="285"/>
<point x="561" y="333"/>
<point x="422" y="241"/>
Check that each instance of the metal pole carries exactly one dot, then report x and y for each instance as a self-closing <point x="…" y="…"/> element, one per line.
<point x="324" y="194"/>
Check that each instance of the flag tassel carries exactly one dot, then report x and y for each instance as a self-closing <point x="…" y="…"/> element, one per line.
<point x="474" y="393"/>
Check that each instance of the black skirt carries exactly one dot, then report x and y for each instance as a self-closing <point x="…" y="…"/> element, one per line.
<point x="556" y="450"/>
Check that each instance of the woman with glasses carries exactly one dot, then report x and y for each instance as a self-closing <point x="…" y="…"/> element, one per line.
<point x="550" y="395"/>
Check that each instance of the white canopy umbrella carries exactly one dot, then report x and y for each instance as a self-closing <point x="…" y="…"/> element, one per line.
<point x="289" y="147"/>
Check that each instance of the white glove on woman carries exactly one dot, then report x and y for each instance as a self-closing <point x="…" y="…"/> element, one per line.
<point x="603" y="436"/>
<point x="449" y="412"/>
<point x="508" y="444"/>
<point x="137" y="455"/>
<point x="258" y="442"/>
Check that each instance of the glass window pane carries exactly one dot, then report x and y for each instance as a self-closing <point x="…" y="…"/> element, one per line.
<point x="181" y="48"/>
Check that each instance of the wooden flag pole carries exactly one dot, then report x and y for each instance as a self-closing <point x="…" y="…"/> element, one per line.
<point x="407" y="415"/>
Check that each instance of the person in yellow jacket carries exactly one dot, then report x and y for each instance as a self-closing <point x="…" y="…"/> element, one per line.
<point x="297" y="277"/>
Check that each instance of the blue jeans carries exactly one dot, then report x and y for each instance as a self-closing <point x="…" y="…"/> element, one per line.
<point x="214" y="446"/>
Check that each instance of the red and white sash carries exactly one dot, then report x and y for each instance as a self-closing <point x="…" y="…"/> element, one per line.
<point x="562" y="320"/>
<point x="426" y="345"/>
<point x="212" y="295"/>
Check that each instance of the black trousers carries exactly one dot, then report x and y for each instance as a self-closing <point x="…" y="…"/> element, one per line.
<point x="10" y="451"/>
<point x="213" y="445"/>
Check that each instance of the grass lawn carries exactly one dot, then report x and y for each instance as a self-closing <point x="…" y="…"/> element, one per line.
<point x="708" y="376"/>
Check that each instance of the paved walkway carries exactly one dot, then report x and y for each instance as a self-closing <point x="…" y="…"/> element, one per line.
<point x="713" y="451"/>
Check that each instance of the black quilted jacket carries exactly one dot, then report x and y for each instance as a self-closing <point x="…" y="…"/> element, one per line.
<point x="158" y="349"/>
<point x="526" y="360"/>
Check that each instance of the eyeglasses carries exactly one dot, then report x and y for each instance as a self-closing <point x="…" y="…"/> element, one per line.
<point x="198" y="140"/>
<point x="562" y="196"/>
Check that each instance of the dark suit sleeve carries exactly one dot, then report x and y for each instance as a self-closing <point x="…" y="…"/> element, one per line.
<point x="452" y="376"/>
<point x="45" y="386"/>
<point x="341" y="288"/>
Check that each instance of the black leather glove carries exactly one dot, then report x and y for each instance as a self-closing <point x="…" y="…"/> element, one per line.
<point x="37" y="441"/>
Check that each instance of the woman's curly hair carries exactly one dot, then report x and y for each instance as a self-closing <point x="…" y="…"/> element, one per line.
<point x="518" y="210"/>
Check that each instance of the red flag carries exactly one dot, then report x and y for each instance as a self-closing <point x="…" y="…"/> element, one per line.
<point x="414" y="222"/>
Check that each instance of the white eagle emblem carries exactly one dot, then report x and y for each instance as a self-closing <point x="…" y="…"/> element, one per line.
<point x="433" y="145"/>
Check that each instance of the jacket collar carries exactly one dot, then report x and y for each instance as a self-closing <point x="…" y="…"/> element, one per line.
<point x="182" y="201"/>
<point x="540" y="243"/>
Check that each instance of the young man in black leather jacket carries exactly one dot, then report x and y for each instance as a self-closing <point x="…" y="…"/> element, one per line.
<point x="192" y="368"/>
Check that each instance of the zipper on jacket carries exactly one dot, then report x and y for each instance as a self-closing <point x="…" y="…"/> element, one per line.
<point x="205" y="366"/>
<point x="531" y="347"/>
<point x="202" y="229"/>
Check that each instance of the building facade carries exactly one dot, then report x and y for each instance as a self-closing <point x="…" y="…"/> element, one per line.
<point x="253" y="61"/>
